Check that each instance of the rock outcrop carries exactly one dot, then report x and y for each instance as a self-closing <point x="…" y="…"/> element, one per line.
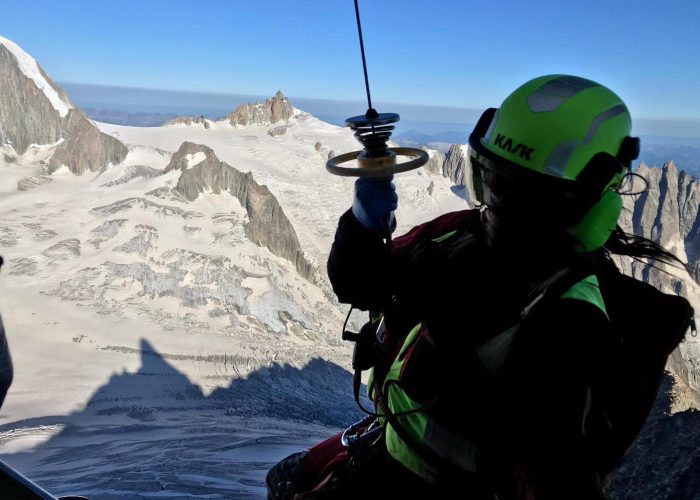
<point x="144" y="241"/>
<point x="275" y="131"/>
<point x="34" y="110"/>
<point x="26" y="114"/>
<point x="63" y="250"/>
<point x="664" y="460"/>
<point x="32" y="181"/>
<point x="189" y="120"/>
<point x="666" y="213"/>
<point x="106" y="231"/>
<point x="435" y="162"/>
<point x="268" y="226"/>
<point x="273" y="110"/>
<point x="85" y="147"/>
<point x="456" y="164"/>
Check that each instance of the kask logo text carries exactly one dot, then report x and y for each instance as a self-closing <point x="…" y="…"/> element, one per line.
<point x="506" y="143"/>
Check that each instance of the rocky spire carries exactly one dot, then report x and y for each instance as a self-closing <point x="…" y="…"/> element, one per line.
<point x="273" y="110"/>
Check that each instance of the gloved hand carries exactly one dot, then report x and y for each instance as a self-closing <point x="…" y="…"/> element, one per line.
<point x="374" y="204"/>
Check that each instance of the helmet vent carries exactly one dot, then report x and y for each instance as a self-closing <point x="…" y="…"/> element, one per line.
<point x="556" y="92"/>
<point x="602" y="118"/>
<point x="558" y="159"/>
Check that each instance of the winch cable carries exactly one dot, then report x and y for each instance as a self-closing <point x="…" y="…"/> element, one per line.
<point x="370" y="110"/>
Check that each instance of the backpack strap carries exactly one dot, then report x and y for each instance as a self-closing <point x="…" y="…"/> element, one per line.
<point x="577" y="282"/>
<point x="587" y="290"/>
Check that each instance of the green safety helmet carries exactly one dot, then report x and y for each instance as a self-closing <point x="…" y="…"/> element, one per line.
<point x="569" y="135"/>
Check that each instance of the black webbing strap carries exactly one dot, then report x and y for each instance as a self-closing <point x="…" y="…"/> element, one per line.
<point x="562" y="280"/>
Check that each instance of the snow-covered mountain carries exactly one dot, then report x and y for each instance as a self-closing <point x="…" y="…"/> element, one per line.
<point x="179" y="287"/>
<point x="35" y="112"/>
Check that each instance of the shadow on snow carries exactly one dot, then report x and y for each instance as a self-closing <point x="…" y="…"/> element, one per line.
<point x="154" y="433"/>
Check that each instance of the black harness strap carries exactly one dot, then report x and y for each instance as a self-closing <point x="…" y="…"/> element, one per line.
<point x="426" y="453"/>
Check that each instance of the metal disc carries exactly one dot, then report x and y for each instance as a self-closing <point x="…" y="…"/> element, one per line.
<point x="363" y="121"/>
<point x="420" y="159"/>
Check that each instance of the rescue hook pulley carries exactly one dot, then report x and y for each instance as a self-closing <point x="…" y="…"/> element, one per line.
<point x="373" y="131"/>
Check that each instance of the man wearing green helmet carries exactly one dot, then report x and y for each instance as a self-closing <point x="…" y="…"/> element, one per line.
<point x="508" y="361"/>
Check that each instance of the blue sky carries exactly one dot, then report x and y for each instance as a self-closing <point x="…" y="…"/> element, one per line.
<point x="451" y="53"/>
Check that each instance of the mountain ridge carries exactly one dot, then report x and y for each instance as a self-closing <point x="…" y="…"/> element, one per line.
<point x="35" y="111"/>
<point x="268" y="226"/>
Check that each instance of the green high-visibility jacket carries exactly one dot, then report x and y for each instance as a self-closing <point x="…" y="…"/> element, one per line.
<point x="493" y="357"/>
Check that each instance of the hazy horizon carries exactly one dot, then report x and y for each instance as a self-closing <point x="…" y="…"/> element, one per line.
<point x="425" y="119"/>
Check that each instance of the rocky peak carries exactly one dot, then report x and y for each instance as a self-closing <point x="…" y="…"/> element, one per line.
<point x="28" y="66"/>
<point x="436" y="160"/>
<point x="189" y="120"/>
<point x="268" y="226"/>
<point x="456" y="164"/>
<point x="280" y="108"/>
<point x="26" y="114"/>
<point x="668" y="211"/>
<point x="656" y="211"/>
<point x="273" y="110"/>
<point x="34" y="110"/>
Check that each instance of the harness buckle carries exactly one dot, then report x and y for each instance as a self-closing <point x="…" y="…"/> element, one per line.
<point x="362" y="435"/>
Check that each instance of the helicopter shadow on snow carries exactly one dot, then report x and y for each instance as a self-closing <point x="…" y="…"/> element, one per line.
<point x="154" y="430"/>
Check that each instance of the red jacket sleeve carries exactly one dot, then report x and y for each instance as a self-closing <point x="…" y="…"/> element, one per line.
<point x="362" y="269"/>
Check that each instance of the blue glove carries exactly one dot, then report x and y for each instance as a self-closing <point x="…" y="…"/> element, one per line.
<point x="374" y="204"/>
